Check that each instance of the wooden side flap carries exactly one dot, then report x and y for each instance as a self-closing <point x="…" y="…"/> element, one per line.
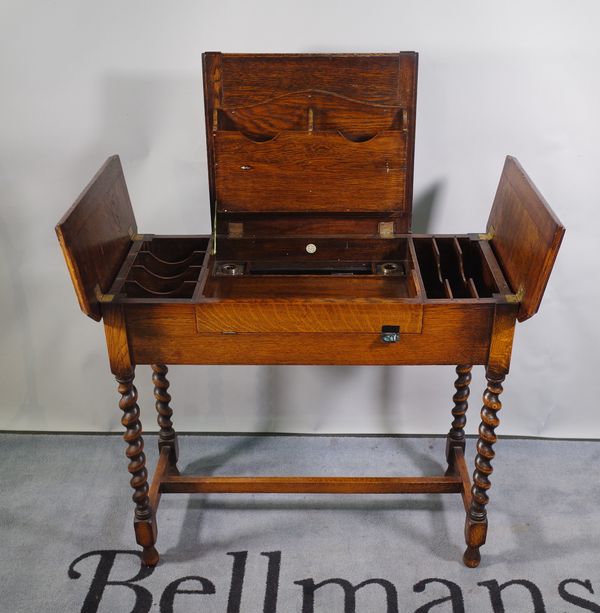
<point x="525" y="236"/>
<point x="95" y="235"/>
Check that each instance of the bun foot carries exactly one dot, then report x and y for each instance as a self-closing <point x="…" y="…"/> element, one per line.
<point x="472" y="557"/>
<point x="150" y="556"/>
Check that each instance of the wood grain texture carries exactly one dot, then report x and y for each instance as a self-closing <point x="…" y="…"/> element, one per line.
<point x="526" y="236"/>
<point x="95" y="235"/>
<point x="317" y="315"/>
<point x="501" y="341"/>
<point x="302" y="171"/>
<point x="451" y="334"/>
<point x="313" y="110"/>
<point x="311" y="224"/>
<point x="160" y="471"/>
<point x="311" y="485"/>
<point x="324" y="287"/>
<point x="293" y="248"/>
<point x="117" y="340"/>
<point x="460" y="467"/>
<point x="363" y="96"/>
<point x="377" y="78"/>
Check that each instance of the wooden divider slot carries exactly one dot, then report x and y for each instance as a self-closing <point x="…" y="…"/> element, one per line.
<point x="161" y="268"/>
<point x="477" y="269"/>
<point x="453" y="267"/>
<point x="430" y="272"/>
<point x="134" y="289"/>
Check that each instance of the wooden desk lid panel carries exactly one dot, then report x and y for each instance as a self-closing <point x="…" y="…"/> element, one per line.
<point x="526" y="236"/>
<point x="95" y="235"/>
<point x="300" y="133"/>
<point x="296" y="172"/>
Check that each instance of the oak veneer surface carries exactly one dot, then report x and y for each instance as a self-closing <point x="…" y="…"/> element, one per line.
<point x="95" y="235"/>
<point x="451" y="334"/>
<point x="294" y="128"/>
<point x="309" y="315"/>
<point x="314" y="110"/>
<point x="526" y="236"/>
<point x="387" y="78"/>
<point x="298" y="171"/>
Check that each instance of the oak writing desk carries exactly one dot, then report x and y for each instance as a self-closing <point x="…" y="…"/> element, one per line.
<point x="310" y="261"/>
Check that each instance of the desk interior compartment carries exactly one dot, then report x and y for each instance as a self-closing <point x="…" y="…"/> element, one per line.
<point x="453" y="267"/>
<point x="296" y="284"/>
<point x="161" y="268"/>
<point x="338" y="267"/>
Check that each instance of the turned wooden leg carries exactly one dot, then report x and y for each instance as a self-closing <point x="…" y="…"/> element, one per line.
<point x="456" y="436"/>
<point x="476" y="522"/>
<point x="143" y="522"/>
<point x="167" y="436"/>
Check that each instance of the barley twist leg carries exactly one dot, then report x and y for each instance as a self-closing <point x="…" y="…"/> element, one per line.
<point x="167" y="436"/>
<point x="143" y="523"/>
<point x="476" y="522"/>
<point x="456" y="436"/>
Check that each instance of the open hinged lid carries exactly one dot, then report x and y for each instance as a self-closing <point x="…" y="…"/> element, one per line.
<point x="95" y="235"/>
<point x="310" y="143"/>
<point x="525" y="235"/>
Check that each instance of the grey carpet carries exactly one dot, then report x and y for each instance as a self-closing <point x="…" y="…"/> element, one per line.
<point x="67" y="497"/>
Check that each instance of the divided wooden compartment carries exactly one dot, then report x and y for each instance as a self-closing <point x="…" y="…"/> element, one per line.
<point x="160" y="268"/>
<point x="274" y="285"/>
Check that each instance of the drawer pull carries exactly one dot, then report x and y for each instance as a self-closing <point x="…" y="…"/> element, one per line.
<point x="390" y="334"/>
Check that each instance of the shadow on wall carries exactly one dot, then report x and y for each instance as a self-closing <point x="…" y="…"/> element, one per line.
<point x="424" y="207"/>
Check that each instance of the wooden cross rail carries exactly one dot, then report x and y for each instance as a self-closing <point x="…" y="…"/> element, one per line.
<point x="164" y="482"/>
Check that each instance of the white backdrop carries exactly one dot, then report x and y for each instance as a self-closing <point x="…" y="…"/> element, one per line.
<point x="81" y="80"/>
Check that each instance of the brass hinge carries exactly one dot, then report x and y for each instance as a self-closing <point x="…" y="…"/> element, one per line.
<point x="386" y="229"/>
<point x="235" y="229"/>
<point x="134" y="236"/>
<point x="101" y="297"/>
<point x="404" y="120"/>
<point x="488" y="236"/>
<point x="516" y="298"/>
<point x="214" y="232"/>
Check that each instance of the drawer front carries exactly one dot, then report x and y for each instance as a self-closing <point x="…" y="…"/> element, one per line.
<point x="286" y="316"/>
<point x="452" y="334"/>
